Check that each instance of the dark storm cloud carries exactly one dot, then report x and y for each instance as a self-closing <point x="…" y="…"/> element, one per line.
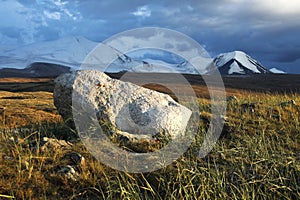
<point x="267" y="30"/>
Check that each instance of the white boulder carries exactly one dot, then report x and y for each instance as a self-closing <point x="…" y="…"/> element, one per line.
<point x="122" y="107"/>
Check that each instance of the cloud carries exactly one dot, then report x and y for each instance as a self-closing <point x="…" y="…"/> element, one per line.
<point x="142" y="12"/>
<point x="33" y="17"/>
<point x="279" y="7"/>
<point x="268" y="30"/>
<point x="60" y="3"/>
<point x="52" y="15"/>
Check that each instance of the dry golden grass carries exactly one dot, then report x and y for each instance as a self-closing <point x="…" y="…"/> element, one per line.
<point x="24" y="80"/>
<point x="257" y="157"/>
<point x="27" y="108"/>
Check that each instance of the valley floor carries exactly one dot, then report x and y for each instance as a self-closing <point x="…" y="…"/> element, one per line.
<point x="257" y="156"/>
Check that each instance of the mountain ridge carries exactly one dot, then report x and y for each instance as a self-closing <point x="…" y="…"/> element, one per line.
<point x="71" y="52"/>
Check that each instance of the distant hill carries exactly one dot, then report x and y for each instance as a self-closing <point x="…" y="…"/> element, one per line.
<point x="35" y="70"/>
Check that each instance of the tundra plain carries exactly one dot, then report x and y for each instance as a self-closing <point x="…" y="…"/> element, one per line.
<point x="256" y="157"/>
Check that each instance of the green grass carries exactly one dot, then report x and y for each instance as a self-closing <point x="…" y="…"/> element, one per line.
<point x="258" y="157"/>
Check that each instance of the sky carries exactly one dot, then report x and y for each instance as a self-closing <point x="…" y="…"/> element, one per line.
<point x="267" y="30"/>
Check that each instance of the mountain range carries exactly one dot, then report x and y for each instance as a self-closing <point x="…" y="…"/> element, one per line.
<point x="60" y="56"/>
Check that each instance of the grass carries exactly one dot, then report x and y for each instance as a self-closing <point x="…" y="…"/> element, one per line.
<point x="26" y="109"/>
<point x="257" y="157"/>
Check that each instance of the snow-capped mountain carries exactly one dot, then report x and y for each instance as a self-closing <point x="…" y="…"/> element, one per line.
<point x="150" y="65"/>
<point x="71" y="51"/>
<point x="68" y="51"/>
<point x="277" y="71"/>
<point x="236" y="63"/>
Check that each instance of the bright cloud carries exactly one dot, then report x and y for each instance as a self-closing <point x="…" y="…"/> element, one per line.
<point x="60" y="3"/>
<point x="52" y="15"/>
<point x="142" y="12"/>
<point x="282" y="7"/>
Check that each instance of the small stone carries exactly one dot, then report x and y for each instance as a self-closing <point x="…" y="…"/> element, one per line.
<point x="45" y="139"/>
<point x="69" y="172"/>
<point x="10" y="158"/>
<point x="77" y="159"/>
<point x="11" y="140"/>
<point x="232" y="99"/>
<point x="51" y="144"/>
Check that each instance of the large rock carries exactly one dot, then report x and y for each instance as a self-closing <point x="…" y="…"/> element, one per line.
<point x="131" y="111"/>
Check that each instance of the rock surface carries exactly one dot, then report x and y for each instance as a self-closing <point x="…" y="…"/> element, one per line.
<point x="52" y="144"/>
<point x="127" y="109"/>
<point x="69" y="172"/>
